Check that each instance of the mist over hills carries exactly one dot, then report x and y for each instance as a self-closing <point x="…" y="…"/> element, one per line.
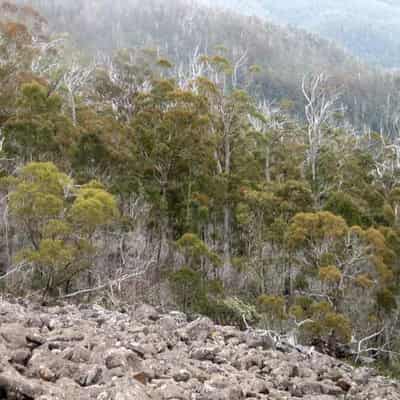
<point x="180" y="28"/>
<point x="370" y="29"/>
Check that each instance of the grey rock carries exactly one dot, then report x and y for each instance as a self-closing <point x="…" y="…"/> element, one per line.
<point x="168" y="323"/>
<point x="362" y="375"/>
<point x="256" y="339"/>
<point x="181" y="375"/>
<point x="90" y="353"/>
<point x="122" y="358"/>
<point x="146" y="312"/>
<point x="137" y="348"/>
<point x="13" y="385"/>
<point x="199" y="329"/>
<point x="204" y="353"/>
<point x="14" y="335"/>
<point x="171" y="391"/>
<point x="90" y="376"/>
<point x="20" y="356"/>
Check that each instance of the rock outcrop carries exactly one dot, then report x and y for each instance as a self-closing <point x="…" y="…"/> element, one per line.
<point x="69" y="352"/>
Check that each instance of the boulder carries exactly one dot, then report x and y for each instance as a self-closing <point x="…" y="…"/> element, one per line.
<point x="204" y="353"/>
<point x="171" y="391"/>
<point x="198" y="330"/>
<point x="90" y="353"/>
<point x="146" y="312"/>
<point x="181" y="375"/>
<point x="256" y="339"/>
<point x="123" y="358"/>
<point x="15" y="386"/>
<point x="14" y="335"/>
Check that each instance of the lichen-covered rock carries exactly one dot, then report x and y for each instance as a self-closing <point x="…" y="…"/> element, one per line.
<point x="90" y="353"/>
<point x="199" y="329"/>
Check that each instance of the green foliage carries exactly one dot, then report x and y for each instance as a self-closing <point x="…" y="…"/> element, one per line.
<point x="194" y="293"/>
<point x="301" y="282"/>
<point x="315" y="227"/>
<point x="38" y="130"/>
<point x="187" y="288"/>
<point x="195" y="249"/>
<point x="233" y="311"/>
<point x="204" y="171"/>
<point x="274" y="307"/>
<point x="37" y="196"/>
<point x="164" y="63"/>
<point x="330" y="274"/>
<point x="342" y="204"/>
<point x="302" y="308"/>
<point x="338" y="325"/>
<point x="386" y="301"/>
<point x="294" y="197"/>
<point x="272" y="310"/>
<point x="58" y="221"/>
<point x="93" y="207"/>
<point x="327" y="323"/>
<point x="172" y="149"/>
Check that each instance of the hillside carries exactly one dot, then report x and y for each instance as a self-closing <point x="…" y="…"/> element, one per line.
<point x="180" y="29"/>
<point x="182" y="174"/>
<point x="369" y="29"/>
<point x="86" y="353"/>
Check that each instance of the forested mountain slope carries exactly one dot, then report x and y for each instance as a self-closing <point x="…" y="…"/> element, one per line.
<point x="368" y="28"/>
<point x="181" y="29"/>
<point x="182" y="174"/>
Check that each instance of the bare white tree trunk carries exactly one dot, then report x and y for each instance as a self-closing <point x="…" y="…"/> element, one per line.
<point x="320" y="106"/>
<point x="74" y="79"/>
<point x="72" y="104"/>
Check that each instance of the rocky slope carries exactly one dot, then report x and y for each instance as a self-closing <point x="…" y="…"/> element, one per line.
<point x="69" y="352"/>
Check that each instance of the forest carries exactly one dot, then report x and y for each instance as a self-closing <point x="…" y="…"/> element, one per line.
<point x="282" y="55"/>
<point x="369" y="29"/>
<point x="255" y="187"/>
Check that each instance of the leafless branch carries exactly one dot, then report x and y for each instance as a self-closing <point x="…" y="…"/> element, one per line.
<point x="14" y="270"/>
<point x="366" y="339"/>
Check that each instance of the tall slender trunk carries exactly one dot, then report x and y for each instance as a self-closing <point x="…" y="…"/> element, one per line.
<point x="227" y="237"/>
<point x="73" y="106"/>
<point x="227" y="267"/>
<point x="314" y="168"/>
<point x="268" y="164"/>
<point x="188" y="205"/>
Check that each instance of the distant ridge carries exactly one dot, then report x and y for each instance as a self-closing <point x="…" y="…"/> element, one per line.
<point x="370" y="29"/>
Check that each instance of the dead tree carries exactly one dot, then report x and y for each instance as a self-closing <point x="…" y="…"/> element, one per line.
<point x="321" y="104"/>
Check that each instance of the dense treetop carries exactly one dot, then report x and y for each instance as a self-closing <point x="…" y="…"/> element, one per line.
<point x="182" y="30"/>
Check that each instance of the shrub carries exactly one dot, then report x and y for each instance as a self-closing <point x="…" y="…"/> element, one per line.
<point x="187" y="289"/>
<point x="58" y="222"/>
